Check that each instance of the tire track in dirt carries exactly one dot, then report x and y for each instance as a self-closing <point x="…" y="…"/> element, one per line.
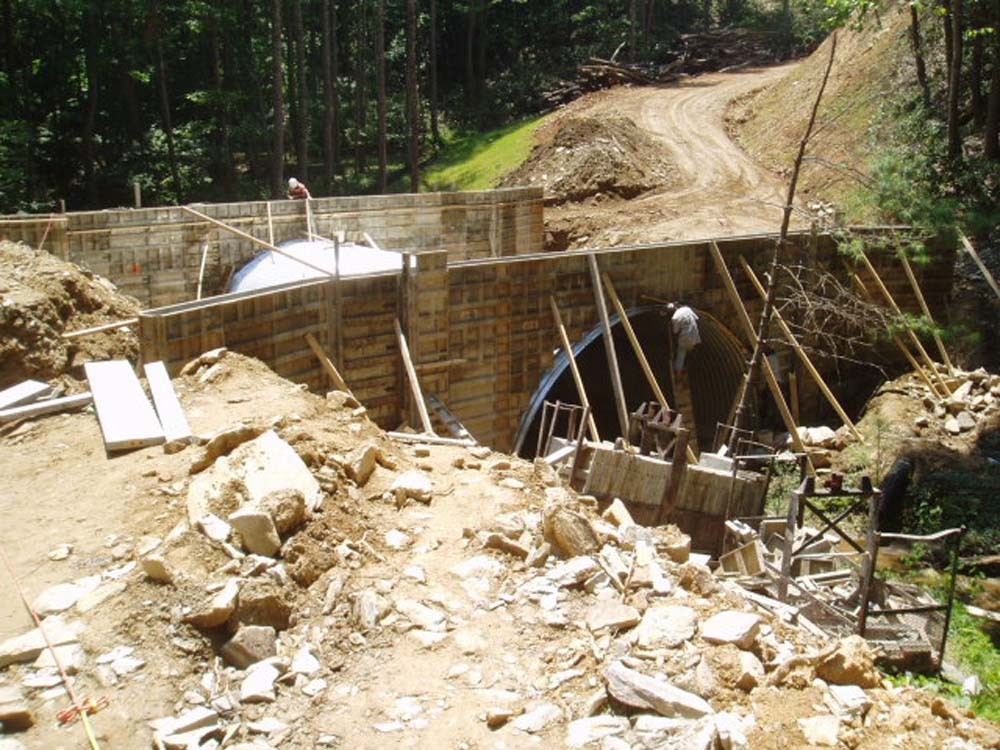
<point x="716" y="190"/>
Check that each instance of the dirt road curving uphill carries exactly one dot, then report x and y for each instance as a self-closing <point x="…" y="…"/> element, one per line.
<point x="716" y="190"/>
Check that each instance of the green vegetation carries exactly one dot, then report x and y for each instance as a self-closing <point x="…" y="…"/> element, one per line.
<point x="479" y="161"/>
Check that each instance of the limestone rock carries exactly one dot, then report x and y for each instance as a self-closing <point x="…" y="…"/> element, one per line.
<point x="305" y="662"/>
<point x="361" y="463"/>
<point x="412" y="484"/>
<point x="751" y="672"/>
<point x="821" y="730"/>
<point x="214" y="527"/>
<point x="739" y="628"/>
<point x="573" y="572"/>
<point x="537" y="557"/>
<point x="618" y="514"/>
<point x="497" y="717"/>
<point x="583" y="732"/>
<point x="14" y="712"/>
<point x="848" y="700"/>
<point x="635" y="689"/>
<point x="101" y="594"/>
<point x="697" y="579"/>
<point x="222" y="444"/>
<point x="611" y="615"/>
<point x="156" y="568"/>
<point x="197" y="718"/>
<point x="424" y="617"/>
<point x="27" y="647"/>
<point x="257" y="530"/>
<point x="287" y="509"/>
<point x="965" y="421"/>
<point x="56" y="599"/>
<point x="504" y="543"/>
<point x="261" y="602"/>
<point x="368" y="610"/>
<point x="852" y="663"/>
<point x="252" y="643"/>
<point x="71" y="657"/>
<point x="667" y="626"/>
<point x="9" y="743"/>
<point x="538" y="719"/>
<point x="569" y="532"/>
<point x="216" y="609"/>
<point x="951" y="426"/>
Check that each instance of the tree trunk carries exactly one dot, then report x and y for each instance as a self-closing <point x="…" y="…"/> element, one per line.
<point x="302" y="93"/>
<point x="647" y="23"/>
<point x="412" y="96"/>
<point x="470" y="58"/>
<point x="632" y="22"/>
<point x="360" y="88"/>
<point x="256" y="145"/>
<point x="224" y="157"/>
<point x="977" y="100"/>
<point x="383" y="156"/>
<point x="483" y="25"/>
<point x="90" y="115"/>
<point x="433" y="75"/>
<point x="277" y="84"/>
<point x="167" y="121"/>
<point x="329" y="155"/>
<point x="991" y="131"/>
<point x="955" y="82"/>
<point x="918" y="56"/>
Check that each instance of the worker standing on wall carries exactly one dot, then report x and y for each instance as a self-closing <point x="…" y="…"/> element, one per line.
<point x="684" y="325"/>
<point x="297" y="191"/>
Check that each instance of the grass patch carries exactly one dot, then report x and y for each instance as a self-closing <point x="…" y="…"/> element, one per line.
<point x="479" y="161"/>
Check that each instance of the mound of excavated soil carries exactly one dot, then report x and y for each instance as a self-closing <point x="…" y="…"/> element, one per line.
<point x="40" y="298"/>
<point x="589" y="157"/>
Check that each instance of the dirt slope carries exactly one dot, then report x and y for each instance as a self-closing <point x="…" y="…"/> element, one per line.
<point x="714" y="187"/>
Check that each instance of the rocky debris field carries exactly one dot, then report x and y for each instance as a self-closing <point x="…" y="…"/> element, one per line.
<point x="302" y="581"/>
<point x="42" y="297"/>
<point x="594" y="158"/>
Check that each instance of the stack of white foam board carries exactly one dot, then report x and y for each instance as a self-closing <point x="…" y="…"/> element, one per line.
<point x="23" y="393"/>
<point x="126" y="417"/>
<point x="168" y="407"/>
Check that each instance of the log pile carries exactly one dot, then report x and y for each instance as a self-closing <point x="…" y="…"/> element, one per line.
<point x="702" y="52"/>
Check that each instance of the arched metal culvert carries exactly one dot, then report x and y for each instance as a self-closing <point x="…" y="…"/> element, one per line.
<point x="715" y="370"/>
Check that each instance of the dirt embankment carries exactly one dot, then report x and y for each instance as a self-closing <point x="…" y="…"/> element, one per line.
<point x="40" y="298"/>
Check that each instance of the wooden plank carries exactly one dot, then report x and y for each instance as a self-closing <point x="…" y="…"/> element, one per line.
<point x="168" y="407"/>
<point x="99" y="329"/>
<point x="609" y="346"/>
<point x="411" y="374"/>
<point x="126" y="417"/>
<point x="23" y="393"/>
<point x="45" y="407"/>
<point x="331" y="370"/>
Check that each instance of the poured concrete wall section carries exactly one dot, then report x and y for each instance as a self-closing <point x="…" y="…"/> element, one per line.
<point x="154" y="254"/>
<point x="480" y="331"/>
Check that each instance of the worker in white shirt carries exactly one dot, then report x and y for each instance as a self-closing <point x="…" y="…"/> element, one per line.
<point x="684" y="324"/>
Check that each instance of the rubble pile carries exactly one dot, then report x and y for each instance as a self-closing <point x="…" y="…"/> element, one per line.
<point x="319" y="585"/>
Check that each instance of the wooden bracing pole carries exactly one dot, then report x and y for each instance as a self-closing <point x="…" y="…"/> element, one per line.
<point x="577" y="380"/>
<point x="772" y="381"/>
<point x="251" y="238"/>
<point x="201" y="269"/>
<point x="806" y="362"/>
<point x="923" y="306"/>
<point x="338" y="381"/>
<point x="609" y="346"/>
<point x="270" y="224"/>
<point x="640" y="354"/>
<point x="982" y="266"/>
<point x="913" y="337"/>
<point x="411" y="374"/>
<point x="895" y="338"/>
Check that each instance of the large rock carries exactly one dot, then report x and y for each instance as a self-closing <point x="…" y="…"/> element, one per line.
<point x="222" y="444"/>
<point x="611" y="615"/>
<point x="361" y="462"/>
<point x="257" y="468"/>
<point x="27" y="647"/>
<point x="216" y="609"/>
<point x="636" y="690"/>
<point x="56" y="599"/>
<point x="261" y="602"/>
<point x="257" y="530"/>
<point x="851" y="663"/>
<point x="251" y="644"/>
<point x="697" y="579"/>
<point x="569" y="532"/>
<point x="738" y="628"/>
<point x="287" y="509"/>
<point x="573" y="572"/>
<point x="666" y="626"/>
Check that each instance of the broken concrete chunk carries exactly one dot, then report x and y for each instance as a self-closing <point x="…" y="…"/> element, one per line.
<point x="56" y="599"/>
<point x="287" y="509"/>
<point x="738" y="628"/>
<point x="583" y="732"/>
<point x="215" y="610"/>
<point x="635" y="689"/>
<point x="252" y="643"/>
<point x="412" y="484"/>
<point x="361" y="463"/>
<point x="666" y="627"/>
<point x="611" y="615"/>
<point x="257" y="530"/>
<point x="15" y="715"/>
<point x="258" y="685"/>
<point x="26" y="647"/>
<point x="569" y="532"/>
